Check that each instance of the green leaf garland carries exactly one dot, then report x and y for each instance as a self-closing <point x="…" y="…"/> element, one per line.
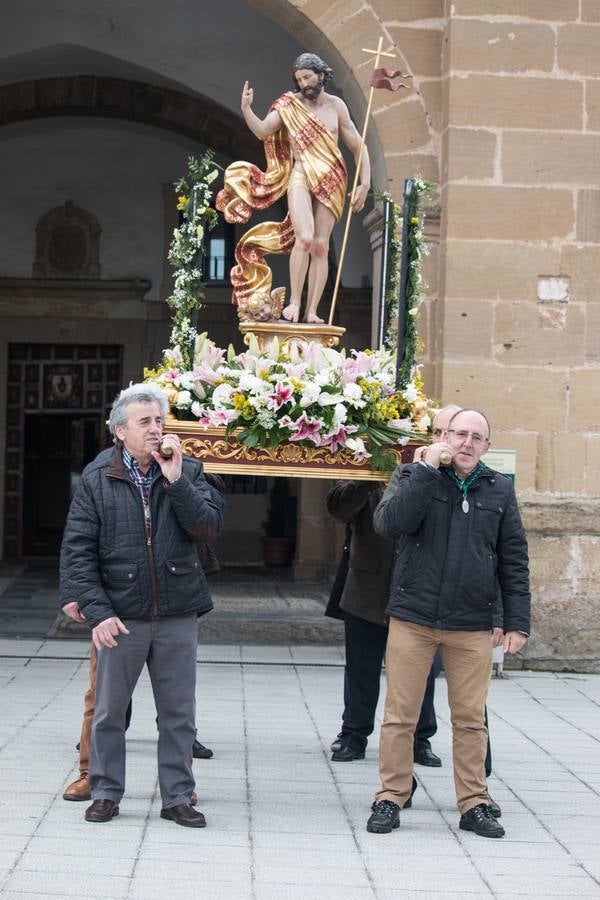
<point x="187" y="251"/>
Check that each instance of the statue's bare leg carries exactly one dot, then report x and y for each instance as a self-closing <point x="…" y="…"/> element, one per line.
<point x="301" y="214"/>
<point x="317" y="274"/>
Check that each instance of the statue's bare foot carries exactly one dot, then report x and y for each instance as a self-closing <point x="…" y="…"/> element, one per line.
<point x="313" y="319"/>
<point x="291" y="312"/>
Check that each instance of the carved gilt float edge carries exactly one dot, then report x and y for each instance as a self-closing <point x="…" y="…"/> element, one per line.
<point x="222" y="454"/>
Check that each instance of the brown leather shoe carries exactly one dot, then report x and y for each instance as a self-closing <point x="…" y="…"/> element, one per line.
<point x="101" y="811"/>
<point x="184" y="814"/>
<point x="79" y="789"/>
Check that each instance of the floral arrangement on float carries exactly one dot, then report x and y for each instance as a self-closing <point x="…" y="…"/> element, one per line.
<point x="311" y="395"/>
<point x="314" y="395"/>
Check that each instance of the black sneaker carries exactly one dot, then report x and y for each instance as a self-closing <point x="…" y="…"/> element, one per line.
<point x="199" y="751"/>
<point x="494" y="808"/>
<point x="480" y="820"/>
<point x="384" y="818"/>
<point x="408" y="804"/>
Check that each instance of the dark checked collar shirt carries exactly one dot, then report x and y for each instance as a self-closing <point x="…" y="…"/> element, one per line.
<point x="135" y="473"/>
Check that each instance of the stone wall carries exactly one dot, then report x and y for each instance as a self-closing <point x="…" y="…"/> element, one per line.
<point x="520" y="269"/>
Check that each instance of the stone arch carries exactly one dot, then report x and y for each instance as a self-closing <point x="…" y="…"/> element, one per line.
<point x="406" y="126"/>
<point x="196" y="117"/>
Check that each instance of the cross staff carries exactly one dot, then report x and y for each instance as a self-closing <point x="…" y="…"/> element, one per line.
<point x="377" y="54"/>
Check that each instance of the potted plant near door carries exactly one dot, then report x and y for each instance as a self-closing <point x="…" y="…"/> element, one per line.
<point x="278" y="546"/>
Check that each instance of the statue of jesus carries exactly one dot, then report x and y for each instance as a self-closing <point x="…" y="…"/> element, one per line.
<point x="303" y="126"/>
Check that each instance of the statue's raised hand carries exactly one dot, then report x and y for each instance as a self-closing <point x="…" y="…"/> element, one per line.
<point x="247" y="96"/>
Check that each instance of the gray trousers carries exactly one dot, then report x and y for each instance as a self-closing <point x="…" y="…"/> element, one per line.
<point x="168" y="647"/>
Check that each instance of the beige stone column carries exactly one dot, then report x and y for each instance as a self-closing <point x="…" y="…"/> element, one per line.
<point x="317" y="540"/>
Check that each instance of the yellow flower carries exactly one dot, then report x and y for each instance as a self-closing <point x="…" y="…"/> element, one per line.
<point x="414" y="220"/>
<point x="182" y="202"/>
<point x="199" y="232"/>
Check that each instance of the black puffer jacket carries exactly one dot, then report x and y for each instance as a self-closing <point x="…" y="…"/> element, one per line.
<point x="447" y="561"/>
<point x="107" y="564"/>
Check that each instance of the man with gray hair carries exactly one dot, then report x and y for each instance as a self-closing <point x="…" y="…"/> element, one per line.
<point x="129" y="557"/>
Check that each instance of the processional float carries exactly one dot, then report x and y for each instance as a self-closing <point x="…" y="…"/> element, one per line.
<point x="291" y="404"/>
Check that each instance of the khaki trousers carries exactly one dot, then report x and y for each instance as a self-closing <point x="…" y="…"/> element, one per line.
<point x="468" y="665"/>
<point x="88" y="715"/>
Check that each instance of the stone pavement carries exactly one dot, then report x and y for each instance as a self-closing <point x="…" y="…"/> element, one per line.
<point x="284" y="822"/>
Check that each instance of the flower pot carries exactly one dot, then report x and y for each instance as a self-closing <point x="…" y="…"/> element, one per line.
<point x="277" y="551"/>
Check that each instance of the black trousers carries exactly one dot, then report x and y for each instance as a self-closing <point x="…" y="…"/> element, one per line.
<point x="365" y="650"/>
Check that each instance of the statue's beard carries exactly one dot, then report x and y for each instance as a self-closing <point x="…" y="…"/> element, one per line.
<point x="311" y="92"/>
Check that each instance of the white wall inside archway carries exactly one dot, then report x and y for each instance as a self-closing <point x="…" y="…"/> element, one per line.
<point x="181" y="45"/>
<point x="115" y="170"/>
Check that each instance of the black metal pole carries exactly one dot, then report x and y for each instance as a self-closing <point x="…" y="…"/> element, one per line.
<point x="382" y="320"/>
<point x="408" y="186"/>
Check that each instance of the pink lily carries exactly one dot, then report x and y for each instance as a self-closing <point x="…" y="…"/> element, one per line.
<point x="282" y="394"/>
<point x="356" y="366"/>
<point x="337" y="438"/>
<point x="217" y="417"/>
<point x="308" y="430"/>
<point x="204" y="372"/>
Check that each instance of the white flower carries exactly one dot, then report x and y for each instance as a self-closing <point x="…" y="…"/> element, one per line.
<point x="258" y="401"/>
<point x="410" y="393"/>
<point x="211" y="176"/>
<point x="326" y="399"/>
<point x="199" y="390"/>
<point x="222" y="396"/>
<point x="197" y="409"/>
<point x="250" y="382"/>
<point x="184" y="398"/>
<point x="266" y="418"/>
<point x="186" y="381"/>
<point x="310" y="393"/>
<point x="353" y="391"/>
<point x="340" y="414"/>
<point x="357" y="448"/>
<point x="322" y="378"/>
<point x="424" y="422"/>
<point x="402" y="424"/>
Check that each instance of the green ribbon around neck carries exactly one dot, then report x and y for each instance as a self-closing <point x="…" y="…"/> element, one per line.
<point x="464" y="484"/>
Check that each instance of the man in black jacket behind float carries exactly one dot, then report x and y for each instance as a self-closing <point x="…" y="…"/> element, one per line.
<point x="129" y="557"/>
<point x="459" y="533"/>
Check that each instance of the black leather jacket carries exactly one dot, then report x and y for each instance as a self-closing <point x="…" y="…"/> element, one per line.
<point x="448" y="563"/>
<point x="109" y="563"/>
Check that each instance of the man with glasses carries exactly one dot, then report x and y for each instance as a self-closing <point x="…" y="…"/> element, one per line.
<point x="458" y="534"/>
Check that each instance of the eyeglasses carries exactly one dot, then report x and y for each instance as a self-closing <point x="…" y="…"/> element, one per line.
<point x="463" y="435"/>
